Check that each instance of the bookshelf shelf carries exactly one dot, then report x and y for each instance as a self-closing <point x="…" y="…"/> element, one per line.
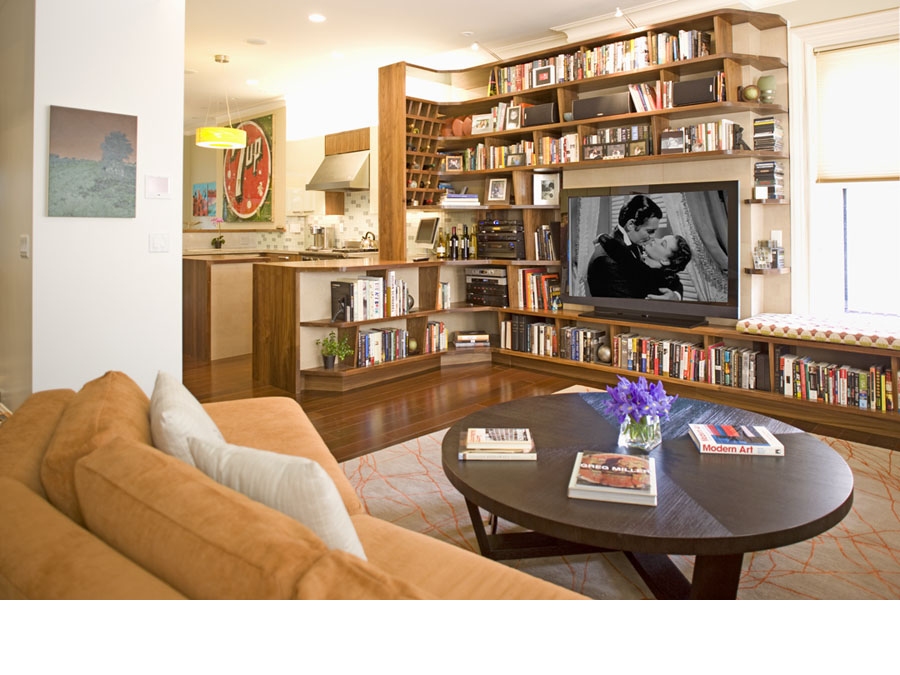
<point x="773" y="270"/>
<point x="764" y="202"/>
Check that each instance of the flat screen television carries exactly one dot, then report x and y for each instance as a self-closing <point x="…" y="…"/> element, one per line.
<point x="659" y="253"/>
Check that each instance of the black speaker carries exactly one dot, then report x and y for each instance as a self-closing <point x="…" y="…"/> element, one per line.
<point x="693" y="92"/>
<point x="546" y="113"/>
<point x="611" y="104"/>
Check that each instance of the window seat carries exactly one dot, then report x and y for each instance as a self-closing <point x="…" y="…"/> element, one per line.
<point x="865" y="331"/>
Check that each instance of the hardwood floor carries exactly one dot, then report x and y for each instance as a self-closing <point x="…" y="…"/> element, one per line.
<point x="368" y="419"/>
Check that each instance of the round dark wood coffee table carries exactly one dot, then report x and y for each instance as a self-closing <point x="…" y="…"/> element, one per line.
<point x="715" y="507"/>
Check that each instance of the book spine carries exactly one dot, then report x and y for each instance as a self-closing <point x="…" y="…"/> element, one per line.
<point x="502" y="456"/>
<point x="719" y="449"/>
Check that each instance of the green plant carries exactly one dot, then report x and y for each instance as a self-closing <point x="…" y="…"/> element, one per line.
<point x="218" y="241"/>
<point x="331" y="346"/>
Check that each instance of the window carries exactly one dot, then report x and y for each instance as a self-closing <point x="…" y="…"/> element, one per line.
<point x="854" y="233"/>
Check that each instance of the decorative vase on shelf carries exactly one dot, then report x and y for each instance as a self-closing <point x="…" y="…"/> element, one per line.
<point x="643" y="435"/>
<point x="766" y="85"/>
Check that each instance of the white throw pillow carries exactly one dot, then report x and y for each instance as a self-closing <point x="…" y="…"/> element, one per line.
<point x="296" y="486"/>
<point x="175" y="416"/>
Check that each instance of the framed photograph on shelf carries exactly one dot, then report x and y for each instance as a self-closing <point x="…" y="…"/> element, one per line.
<point x="614" y="151"/>
<point x="482" y="124"/>
<point x="593" y="151"/>
<point x="514" y="117"/>
<point x="497" y="191"/>
<point x="546" y="189"/>
<point x="671" y="142"/>
<point x="638" y="148"/>
<point x="515" y="159"/>
<point x="542" y="76"/>
<point x="453" y="163"/>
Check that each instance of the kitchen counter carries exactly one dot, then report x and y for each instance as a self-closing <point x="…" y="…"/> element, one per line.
<point x="259" y="255"/>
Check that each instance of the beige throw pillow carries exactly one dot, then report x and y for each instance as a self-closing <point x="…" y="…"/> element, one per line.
<point x="175" y="416"/>
<point x="296" y="486"/>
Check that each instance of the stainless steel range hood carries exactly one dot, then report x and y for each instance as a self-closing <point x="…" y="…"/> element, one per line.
<point x="347" y="171"/>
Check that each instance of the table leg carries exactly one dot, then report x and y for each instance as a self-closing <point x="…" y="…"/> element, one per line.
<point x="716" y="577"/>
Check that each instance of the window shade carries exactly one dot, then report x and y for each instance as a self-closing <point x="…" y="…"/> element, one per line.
<point x="858" y="113"/>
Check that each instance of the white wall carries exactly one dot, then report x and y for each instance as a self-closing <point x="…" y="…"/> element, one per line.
<point x="101" y="301"/>
<point x="17" y="55"/>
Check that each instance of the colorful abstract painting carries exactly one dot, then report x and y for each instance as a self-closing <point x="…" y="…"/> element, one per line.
<point x="93" y="164"/>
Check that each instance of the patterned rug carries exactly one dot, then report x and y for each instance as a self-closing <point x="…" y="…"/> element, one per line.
<point x="857" y="559"/>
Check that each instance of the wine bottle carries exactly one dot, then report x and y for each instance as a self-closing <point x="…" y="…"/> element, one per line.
<point x="473" y="245"/>
<point x="454" y="245"/>
<point x="464" y="243"/>
<point x="441" y="248"/>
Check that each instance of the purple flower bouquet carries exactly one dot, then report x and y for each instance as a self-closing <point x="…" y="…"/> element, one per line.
<point x="638" y="408"/>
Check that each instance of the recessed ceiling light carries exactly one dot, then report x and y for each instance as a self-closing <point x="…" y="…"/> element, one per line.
<point x="474" y="46"/>
<point x="468" y="33"/>
<point x="316" y="18"/>
<point x="252" y="83"/>
<point x="257" y="41"/>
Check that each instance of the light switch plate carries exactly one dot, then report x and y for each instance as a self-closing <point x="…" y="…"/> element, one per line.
<point x="24" y="246"/>
<point x="159" y="242"/>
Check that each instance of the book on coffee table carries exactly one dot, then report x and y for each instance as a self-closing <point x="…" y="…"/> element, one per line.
<point x="729" y="439"/>
<point x="609" y="477"/>
<point x="499" y="439"/>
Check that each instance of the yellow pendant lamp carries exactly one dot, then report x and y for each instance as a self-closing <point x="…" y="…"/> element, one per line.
<point x="221" y="137"/>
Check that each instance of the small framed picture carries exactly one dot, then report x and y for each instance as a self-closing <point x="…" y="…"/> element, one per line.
<point x="482" y="124"/>
<point x="541" y="77"/>
<point x="514" y="117"/>
<point x="546" y="189"/>
<point x="453" y="163"/>
<point x="671" y="142"/>
<point x="497" y="191"/>
<point x="593" y="151"/>
<point x="638" y="148"/>
<point x="515" y="159"/>
<point x="614" y="151"/>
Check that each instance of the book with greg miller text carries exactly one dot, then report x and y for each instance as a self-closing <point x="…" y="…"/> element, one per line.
<point x="610" y="477"/>
<point x="735" y="440"/>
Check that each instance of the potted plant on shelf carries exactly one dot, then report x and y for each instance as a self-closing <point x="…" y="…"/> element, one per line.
<point x="219" y="240"/>
<point x="332" y="347"/>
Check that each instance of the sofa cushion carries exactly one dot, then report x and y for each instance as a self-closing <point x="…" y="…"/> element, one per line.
<point x="206" y="540"/>
<point x="280" y="425"/>
<point x="110" y="406"/>
<point x="24" y="437"/>
<point x="176" y="416"/>
<point x="462" y="575"/>
<point x="44" y="555"/>
<point x="296" y="486"/>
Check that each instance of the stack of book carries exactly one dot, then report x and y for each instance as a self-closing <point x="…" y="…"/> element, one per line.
<point x="451" y="199"/>
<point x="768" y="134"/>
<point x="497" y="443"/>
<point x="467" y="339"/>
<point x="768" y="179"/>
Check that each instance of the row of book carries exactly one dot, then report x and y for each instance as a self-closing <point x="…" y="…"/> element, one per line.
<point x="435" y="337"/>
<point x="538" y="288"/>
<point x="523" y="334"/>
<point x="704" y="137"/>
<point x="368" y="297"/>
<point x="498" y="156"/>
<point x="380" y="345"/>
<point x="558" y="150"/>
<point x="804" y="378"/>
<point x="443" y="299"/>
<point x="546" y="241"/>
<point x="613" y="57"/>
<point x="728" y="366"/>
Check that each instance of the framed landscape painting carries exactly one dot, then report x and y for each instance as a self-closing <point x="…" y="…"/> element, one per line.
<point x="93" y="164"/>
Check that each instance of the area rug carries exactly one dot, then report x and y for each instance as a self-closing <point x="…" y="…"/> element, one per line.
<point x="857" y="559"/>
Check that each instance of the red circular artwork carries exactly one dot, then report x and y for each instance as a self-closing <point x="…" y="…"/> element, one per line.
<point x="248" y="172"/>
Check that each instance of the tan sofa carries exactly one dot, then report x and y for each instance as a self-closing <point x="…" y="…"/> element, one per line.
<point x="89" y="509"/>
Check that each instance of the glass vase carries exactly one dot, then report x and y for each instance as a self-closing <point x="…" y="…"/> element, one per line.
<point x="643" y="435"/>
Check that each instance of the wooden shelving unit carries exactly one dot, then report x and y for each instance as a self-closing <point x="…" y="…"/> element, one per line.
<point x="422" y="128"/>
<point x="767" y="271"/>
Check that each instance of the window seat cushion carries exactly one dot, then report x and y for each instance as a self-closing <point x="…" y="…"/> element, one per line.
<point x="862" y="331"/>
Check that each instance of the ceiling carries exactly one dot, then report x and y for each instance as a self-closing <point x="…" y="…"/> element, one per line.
<point x="323" y="69"/>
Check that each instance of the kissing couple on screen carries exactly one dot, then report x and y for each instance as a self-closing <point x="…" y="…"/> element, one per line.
<point x="634" y="262"/>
